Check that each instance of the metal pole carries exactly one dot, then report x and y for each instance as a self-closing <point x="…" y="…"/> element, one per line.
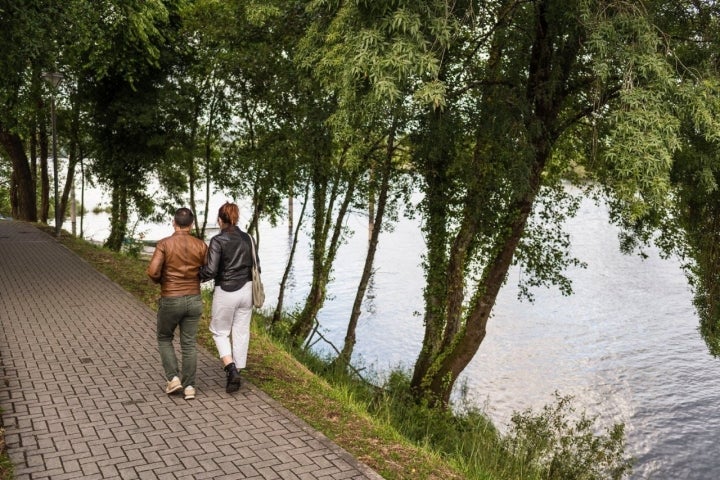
<point x="55" y="164"/>
<point x="54" y="79"/>
<point x="82" y="197"/>
<point x="73" y="208"/>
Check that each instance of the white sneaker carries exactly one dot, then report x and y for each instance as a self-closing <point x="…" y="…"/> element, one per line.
<point x="173" y="386"/>
<point x="189" y="392"/>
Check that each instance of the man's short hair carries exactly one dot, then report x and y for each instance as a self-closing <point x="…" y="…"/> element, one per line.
<point x="184" y="217"/>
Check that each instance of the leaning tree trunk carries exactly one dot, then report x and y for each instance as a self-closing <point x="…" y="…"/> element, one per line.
<point x="548" y="74"/>
<point x="69" y="185"/>
<point x="192" y="169"/>
<point x="343" y="360"/>
<point x="26" y="203"/>
<point x="460" y="346"/>
<point x="323" y="259"/>
<point x="208" y="161"/>
<point x="436" y="163"/>
<point x="288" y="267"/>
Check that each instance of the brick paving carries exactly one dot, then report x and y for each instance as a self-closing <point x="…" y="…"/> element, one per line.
<point x="82" y="387"/>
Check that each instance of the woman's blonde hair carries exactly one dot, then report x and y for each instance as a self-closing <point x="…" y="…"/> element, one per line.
<point x="229" y="213"/>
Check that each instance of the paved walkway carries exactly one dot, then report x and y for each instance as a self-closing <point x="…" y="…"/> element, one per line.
<point x="82" y="387"/>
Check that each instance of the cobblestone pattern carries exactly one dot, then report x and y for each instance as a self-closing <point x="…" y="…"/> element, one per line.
<point x="81" y="387"/>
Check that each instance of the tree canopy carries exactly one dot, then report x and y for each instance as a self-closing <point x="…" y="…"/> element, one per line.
<point x="489" y="108"/>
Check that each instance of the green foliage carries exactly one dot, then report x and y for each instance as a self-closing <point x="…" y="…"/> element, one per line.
<point x="555" y="443"/>
<point x="129" y="131"/>
<point x="695" y="232"/>
<point x="545" y="246"/>
<point x="7" y="469"/>
<point x="122" y="39"/>
<point x="133" y="244"/>
<point x="564" y="445"/>
<point x="5" y="208"/>
<point x="674" y="127"/>
<point x="465" y="436"/>
<point x="382" y="48"/>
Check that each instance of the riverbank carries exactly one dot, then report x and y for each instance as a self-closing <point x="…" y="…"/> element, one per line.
<point x="625" y="344"/>
<point x="383" y="427"/>
<point x="308" y="396"/>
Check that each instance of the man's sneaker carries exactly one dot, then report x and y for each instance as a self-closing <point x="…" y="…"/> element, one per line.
<point x="173" y="386"/>
<point x="189" y="392"/>
<point x="233" y="378"/>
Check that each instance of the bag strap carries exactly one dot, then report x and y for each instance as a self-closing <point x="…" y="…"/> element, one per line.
<point x="252" y="247"/>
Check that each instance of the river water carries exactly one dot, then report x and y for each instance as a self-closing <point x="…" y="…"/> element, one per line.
<point x="625" y="344"/>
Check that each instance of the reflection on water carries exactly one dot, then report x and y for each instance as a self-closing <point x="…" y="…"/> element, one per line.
<point x="625" y="344"/>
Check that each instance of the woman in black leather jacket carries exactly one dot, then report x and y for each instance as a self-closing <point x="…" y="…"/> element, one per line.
<point x="229" y="264"/>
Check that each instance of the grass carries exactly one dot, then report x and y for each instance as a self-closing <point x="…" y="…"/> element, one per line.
<point x="6" y="466"/>
<point x="333" y="411"/>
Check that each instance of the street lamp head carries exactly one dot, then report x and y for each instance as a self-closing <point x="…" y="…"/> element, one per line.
<point x="53" y="78"/>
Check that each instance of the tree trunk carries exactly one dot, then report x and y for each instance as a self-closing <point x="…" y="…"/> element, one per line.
<point x="34" y="152"/>
<point x="208" y="183"/>
<point x="321" y="201"/>
<point x="467" y="342"/>
<point x="376" y="222"/>
<point x="69" y="185"/>
<point x="323" y="257"/>
<point x="255" y="218"/>
<point x="118" y="218"/>
<point x="288" y="266"/>
<point x="371" y="207"/>
<point x="82" y="197"/>
<point x="548" y="72"/>
<point x="26" y="203"/>
<point x="191" y="169"/>
<point x="291" y="212"/>
<point x="74" y="156"/>
<point x="208" y="157"/>
<point x="13" y="195"/>
<point x="436" y="161"/>
<point x="191" y="188"/>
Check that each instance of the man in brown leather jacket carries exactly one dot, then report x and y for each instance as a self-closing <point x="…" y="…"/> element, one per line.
<point x="175" y="265"/>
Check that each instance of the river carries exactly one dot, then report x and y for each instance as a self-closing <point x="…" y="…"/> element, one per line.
<point x="625" y="344"/>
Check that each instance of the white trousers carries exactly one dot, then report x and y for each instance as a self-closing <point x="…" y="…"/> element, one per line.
<point x="230" y="324"/>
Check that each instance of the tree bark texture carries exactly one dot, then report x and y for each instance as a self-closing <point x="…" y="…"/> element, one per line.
<point x="26" y="203"/>
<point x="288" y="267"/>
<point x="464" y="325"/>
<point x="118" y="217"/>
<point x="323" y="252"/>
<point x="343" y="360"/>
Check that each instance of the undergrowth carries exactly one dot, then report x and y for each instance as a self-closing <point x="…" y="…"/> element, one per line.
<point x="556" y="443"/>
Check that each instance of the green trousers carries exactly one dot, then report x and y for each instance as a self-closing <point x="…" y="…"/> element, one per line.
<point x="183" y="313"/>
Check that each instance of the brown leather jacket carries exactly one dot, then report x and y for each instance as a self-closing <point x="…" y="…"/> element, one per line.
<point x="176" y="263"/>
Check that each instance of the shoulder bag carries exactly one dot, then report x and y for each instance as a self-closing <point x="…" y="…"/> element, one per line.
<point x="258" y="291"/>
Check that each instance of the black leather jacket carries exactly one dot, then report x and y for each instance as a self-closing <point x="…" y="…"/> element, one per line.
<point x="229" y="259"/>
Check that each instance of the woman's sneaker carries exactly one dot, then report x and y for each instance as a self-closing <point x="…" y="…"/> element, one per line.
<point x="173" y="385"/>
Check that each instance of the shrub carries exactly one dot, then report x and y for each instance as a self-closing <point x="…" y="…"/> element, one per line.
<point x="562" y="445"/>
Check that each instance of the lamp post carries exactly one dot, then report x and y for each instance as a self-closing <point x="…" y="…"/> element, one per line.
<point x="54" y="79"/>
